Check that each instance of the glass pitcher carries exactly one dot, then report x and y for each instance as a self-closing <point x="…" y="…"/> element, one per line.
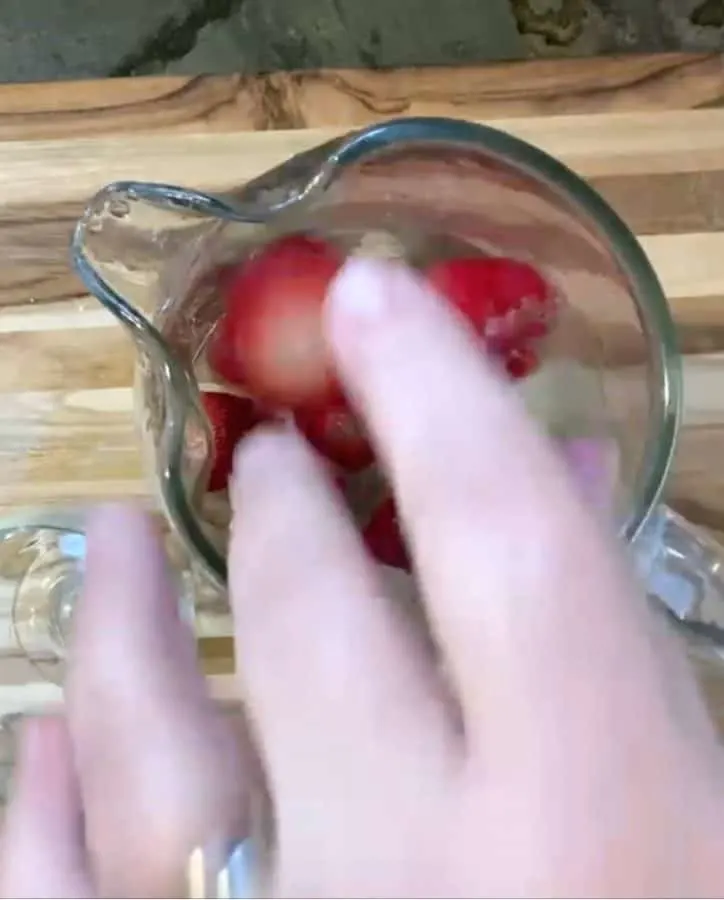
<point x="611" y="371"/>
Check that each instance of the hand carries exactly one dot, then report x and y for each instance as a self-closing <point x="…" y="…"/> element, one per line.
<point x="549" y="741"/>
<point x="141" y="766"/>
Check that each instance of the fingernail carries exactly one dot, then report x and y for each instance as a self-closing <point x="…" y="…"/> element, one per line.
<point x="119" y="536"/>
<point x="366" y="292"/>
<point x="110" y="521"/>
<point x="361" y="290"/>
<point x="267" y="453"/>
<point x="125" y="546"/>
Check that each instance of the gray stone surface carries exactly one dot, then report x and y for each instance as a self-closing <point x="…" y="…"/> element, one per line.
<point x="586" y="27"/>
<point x="693" y="22"/>
<point x="281" y="34"/>
<point x="42" y="39"/>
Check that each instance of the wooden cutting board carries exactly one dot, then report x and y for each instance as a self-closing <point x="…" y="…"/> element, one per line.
<point x="647" y="131"/>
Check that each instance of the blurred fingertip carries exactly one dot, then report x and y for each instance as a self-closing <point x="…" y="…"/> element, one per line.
<point x="269" y="452"/>
<point x="366" y="292"/>
<point x="43" y="742"/>
<point x="127" y="576"/>
<point x="361" y="290"/>
<point x="44" y="777"/>
<point x="44" y="817"/>
<point x="33" y="735"/>
<point x="109" y="522"/>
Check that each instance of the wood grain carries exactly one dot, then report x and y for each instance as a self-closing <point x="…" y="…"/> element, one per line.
<point x="646" y="131"/>
<point x="350" y="98"/>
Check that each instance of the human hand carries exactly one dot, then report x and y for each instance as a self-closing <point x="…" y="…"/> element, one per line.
<point x="549" y="741"/>
<point x="566" y="753"/>
<point x="113" y="792"/>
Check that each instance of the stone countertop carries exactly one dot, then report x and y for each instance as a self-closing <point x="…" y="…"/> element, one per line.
<point x="47" y="39"/>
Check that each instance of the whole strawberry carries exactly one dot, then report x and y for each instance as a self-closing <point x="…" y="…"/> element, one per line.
<point x="270" y="339"/>
<point x="508" y="302"/>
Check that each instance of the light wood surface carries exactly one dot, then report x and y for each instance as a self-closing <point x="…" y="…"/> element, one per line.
<point x="647" y="131"/>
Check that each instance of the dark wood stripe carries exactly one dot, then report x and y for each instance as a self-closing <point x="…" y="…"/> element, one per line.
<point x="671" y="203"/>
<point x="217" y="655"/>
<point x="696" y="486"/>
<point x="34" y="247"/>
<point x="699" y="335"/>
<point x="702" y="514"/>
<point x="353" y="98"/>
<point x="699" y="329"/>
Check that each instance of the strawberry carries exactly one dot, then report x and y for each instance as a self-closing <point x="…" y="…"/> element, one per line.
<point x="231" y="418"/>
<point x="340" y="484"/>
<point x="221" y="355"/>
<point x="520" y="362"/>
<point x="507" y="301"/>
<point x="384" y="539"/>
<point x="336" y="433"/>
<point x="270" y="338"/>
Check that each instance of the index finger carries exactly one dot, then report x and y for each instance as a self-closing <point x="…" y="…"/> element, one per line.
<point x="530" y="599"/>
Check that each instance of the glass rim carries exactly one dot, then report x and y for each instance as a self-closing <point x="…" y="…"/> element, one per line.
<point x="511" y="151"/>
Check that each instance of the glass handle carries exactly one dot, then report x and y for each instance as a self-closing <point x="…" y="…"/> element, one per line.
<point x="683" y="569"/>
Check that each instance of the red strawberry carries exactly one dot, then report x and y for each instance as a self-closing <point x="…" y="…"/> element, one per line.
<point x="384" y="539"/>
<point x="521" y="362"/>
<point x="464" y="283"/>
<point x="231" y="418"/>
<point x="337" y="435"/>
<point x="221" y="356"/>
<point x="270" y="338"/>
<point x="508" y="302"/>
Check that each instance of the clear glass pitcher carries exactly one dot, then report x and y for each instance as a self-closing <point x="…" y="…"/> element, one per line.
<point x="149" y="253"/>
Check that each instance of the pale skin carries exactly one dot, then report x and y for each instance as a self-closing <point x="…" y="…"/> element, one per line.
<point x="565" y="753"/>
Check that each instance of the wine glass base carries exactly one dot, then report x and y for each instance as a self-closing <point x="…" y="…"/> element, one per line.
<point x="51" y="563"/>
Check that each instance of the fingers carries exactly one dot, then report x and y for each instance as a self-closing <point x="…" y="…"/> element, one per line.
<point x="42" y="849"/>
<point x="530" y="603"/>
<point x="160" y="769"/>
<point x="330" y="666"/>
